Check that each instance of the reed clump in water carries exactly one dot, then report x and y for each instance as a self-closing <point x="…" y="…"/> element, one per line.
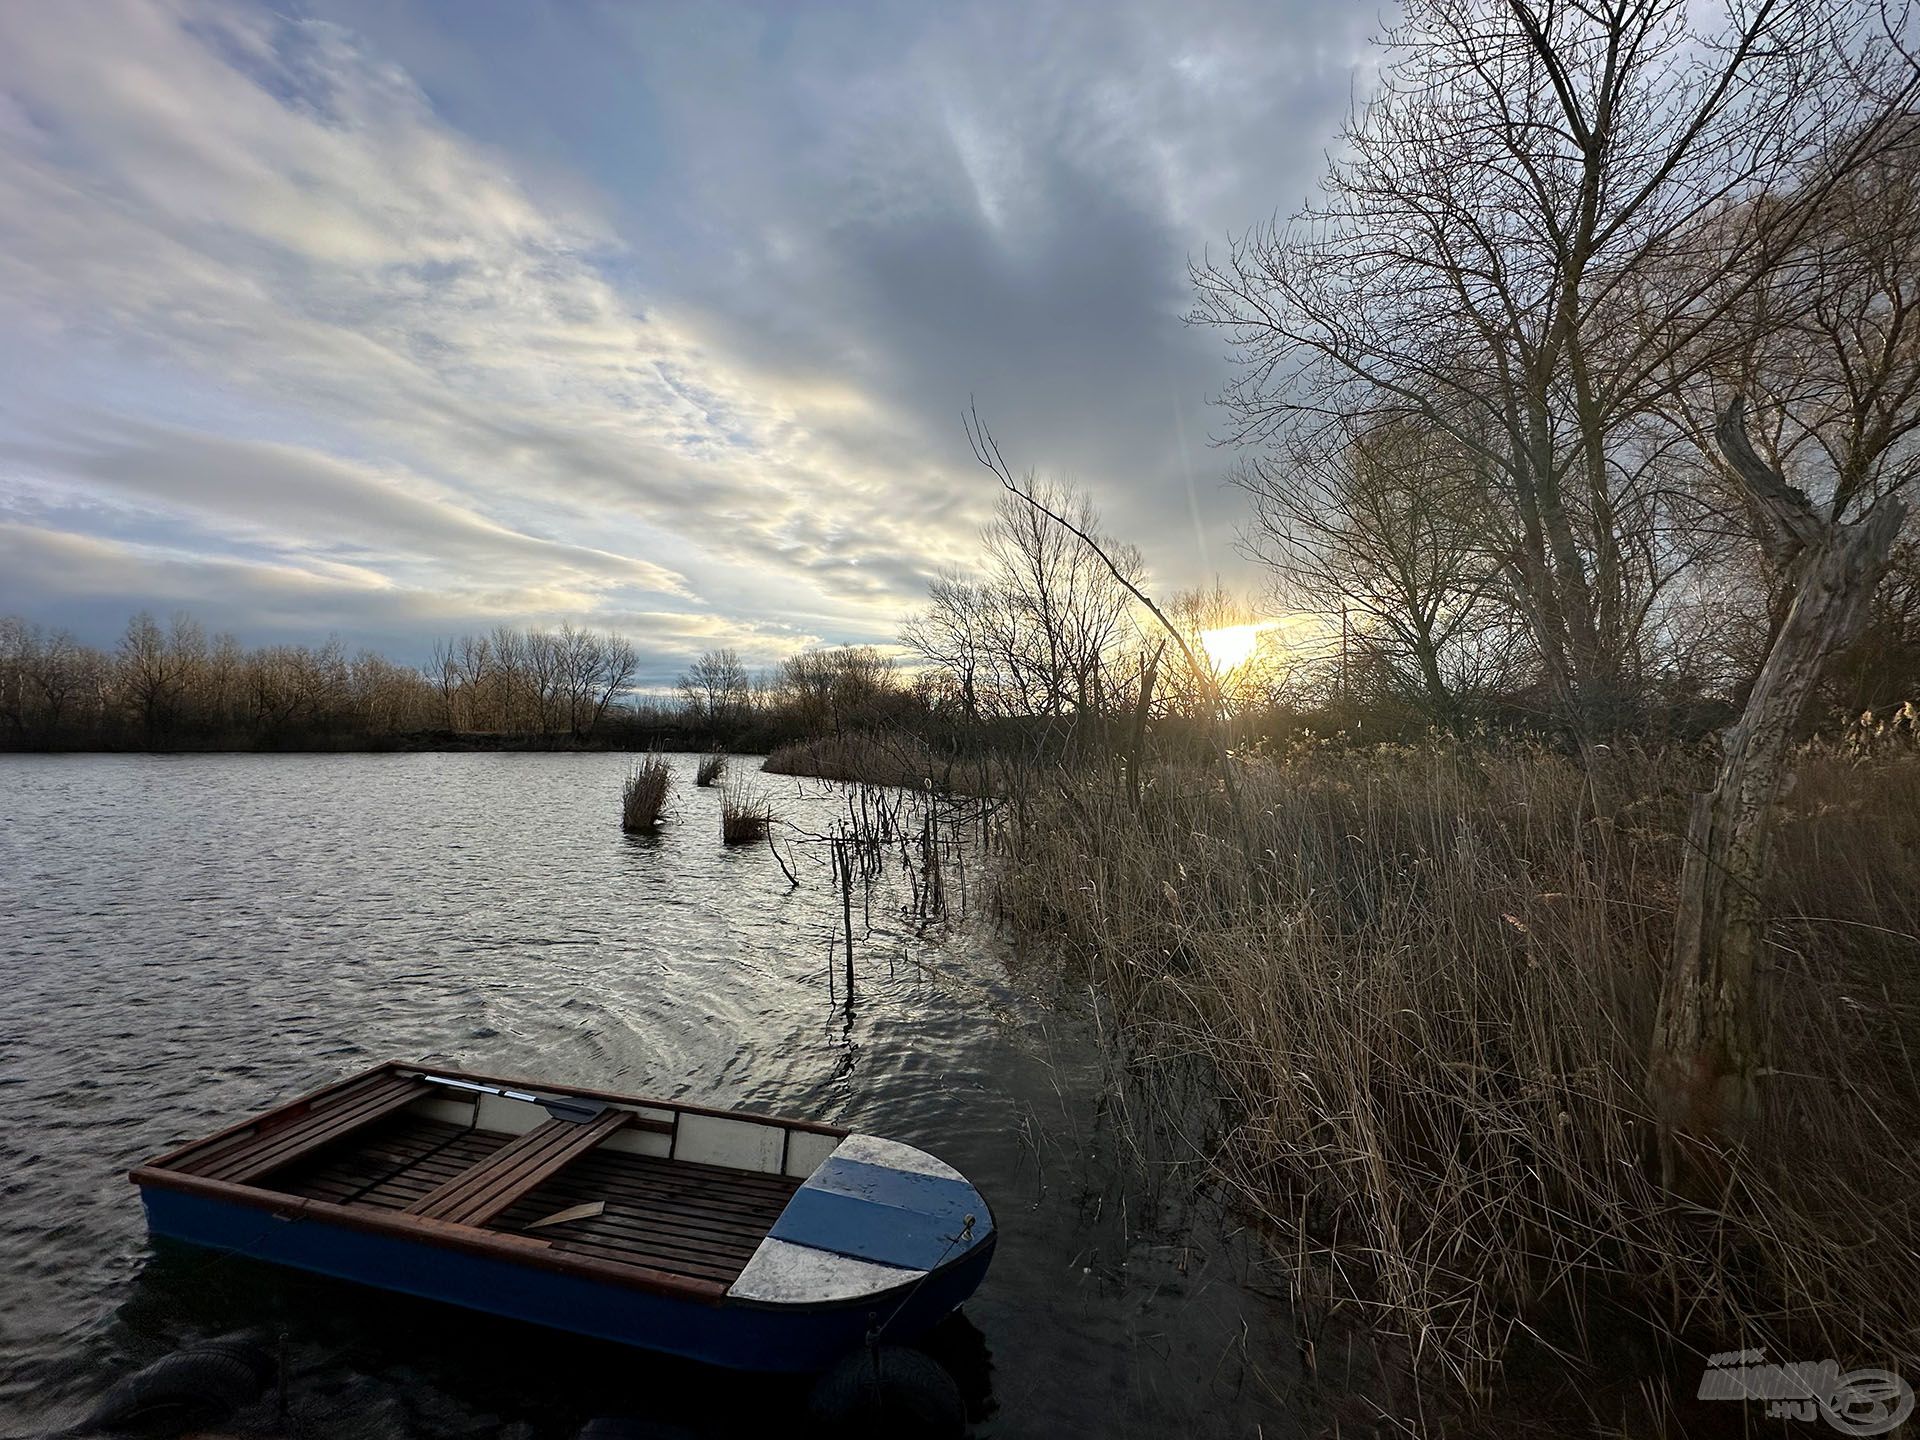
<point x="710" y="769"/>
<point x="643" y="799"/>
<point x="1417" y="998"/>
<point x="745" y="815"/>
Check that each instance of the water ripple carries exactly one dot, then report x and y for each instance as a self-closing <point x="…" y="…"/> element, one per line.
<point x="184" y="940"/>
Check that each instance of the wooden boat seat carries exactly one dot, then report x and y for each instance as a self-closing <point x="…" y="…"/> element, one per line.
<point x="485" y="1188"/>
<point x="287" y="1136"/>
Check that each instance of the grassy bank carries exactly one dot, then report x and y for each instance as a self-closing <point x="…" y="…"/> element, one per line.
<point x="885" y="758"/>
<point x="1401" y="1012"/>
<point x="1420" y="993"/>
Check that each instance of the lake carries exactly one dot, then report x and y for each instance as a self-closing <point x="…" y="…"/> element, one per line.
<point x="184" y="940"/>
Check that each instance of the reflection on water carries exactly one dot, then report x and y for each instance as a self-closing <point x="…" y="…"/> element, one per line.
<point x="184" y="940"/>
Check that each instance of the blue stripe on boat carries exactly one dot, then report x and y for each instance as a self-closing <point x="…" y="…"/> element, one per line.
<point x="874" y="1212"/>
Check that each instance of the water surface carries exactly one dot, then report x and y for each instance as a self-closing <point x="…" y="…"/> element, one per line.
<point x="185" y="940"/>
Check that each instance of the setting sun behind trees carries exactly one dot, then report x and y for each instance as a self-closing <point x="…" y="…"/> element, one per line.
<point x="1232" y="646"/>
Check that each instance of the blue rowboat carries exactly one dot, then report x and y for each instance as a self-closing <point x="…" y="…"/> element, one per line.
<point x="739" y="1240"/>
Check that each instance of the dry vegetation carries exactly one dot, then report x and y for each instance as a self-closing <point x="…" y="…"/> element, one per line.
<point x="745" y="814"/>
<point x="1419" y="998"/>
<point x="711" y="768"/>
<point x="887" y="758"/>
<point x="643" y="800"/>
<point x="876" y="759"/>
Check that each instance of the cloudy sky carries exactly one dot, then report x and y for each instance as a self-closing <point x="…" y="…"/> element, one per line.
<point x="391" y="321"/>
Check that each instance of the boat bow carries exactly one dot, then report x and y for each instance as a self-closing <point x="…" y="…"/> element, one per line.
<point x="873" y="1217"/>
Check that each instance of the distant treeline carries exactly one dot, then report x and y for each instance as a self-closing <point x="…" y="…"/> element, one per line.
<point x="172" y="687"/>
<point x="1039" y="652"/>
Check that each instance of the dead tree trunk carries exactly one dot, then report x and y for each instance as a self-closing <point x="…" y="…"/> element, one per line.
<point x="1137" y="740"/>
<point x="1706" y="1037"/>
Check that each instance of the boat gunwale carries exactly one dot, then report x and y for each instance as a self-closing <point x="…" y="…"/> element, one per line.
<point x="169" y="1158"/>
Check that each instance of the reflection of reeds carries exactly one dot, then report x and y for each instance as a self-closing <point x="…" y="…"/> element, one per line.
<point x="644" y="799"/>
<point x="744" y="815"/>
<point x="712" y="767"/>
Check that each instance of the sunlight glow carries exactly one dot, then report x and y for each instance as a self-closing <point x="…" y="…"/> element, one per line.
<point x="1233" y="645"/>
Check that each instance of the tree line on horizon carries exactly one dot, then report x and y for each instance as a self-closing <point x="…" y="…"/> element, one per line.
<point x="172" y="686"/>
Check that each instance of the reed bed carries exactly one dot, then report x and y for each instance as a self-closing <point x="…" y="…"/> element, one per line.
<point x="709" y="771"/>
<point x="886" y="758"/>
<point x="643" y="799"/>
<point x="745" y="815"/>
<point x="1414" y="999"/>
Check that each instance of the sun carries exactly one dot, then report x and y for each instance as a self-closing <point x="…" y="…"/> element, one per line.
<point x="1231" y="646"/>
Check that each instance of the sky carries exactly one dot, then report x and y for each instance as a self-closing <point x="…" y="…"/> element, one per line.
<point x="394" y="322"/>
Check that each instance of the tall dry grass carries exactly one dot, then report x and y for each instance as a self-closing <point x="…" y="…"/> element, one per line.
<point x="885" y="758"/>
<point x="710" y="769"/>
<point x="643" y="799"/>
<point x="745" y="815"/>
<point x="1418" y="998"/>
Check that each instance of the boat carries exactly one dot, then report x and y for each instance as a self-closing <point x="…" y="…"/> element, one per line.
<point x="739" y="1240"/>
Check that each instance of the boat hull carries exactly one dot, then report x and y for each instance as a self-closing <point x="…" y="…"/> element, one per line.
<point x="734" y="1334"/>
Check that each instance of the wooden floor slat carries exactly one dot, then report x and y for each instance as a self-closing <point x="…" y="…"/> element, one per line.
<point x="616" y="1223"/>
<point x="618" y="1217"/>
<point x="660" y="1190"/>
<point x="702" y="1222"/>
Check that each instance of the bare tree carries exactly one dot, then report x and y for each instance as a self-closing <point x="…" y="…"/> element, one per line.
<point x="612" y="674"/>
<point x="580" y="656"/>
<point x="150" y="676"/>
<point x="1370" y="529"/>
<point x="952" y="632"/>
<point x="1705" y="1047"/>
<point x="1540" y="209"/>
<point x="19" y="651"/>
<point x="444" y="673"/>
<point x="1038" y="632"/>
<point x="846" y="687"/>
<point x="715" y="687"/>
<point x="1212" y="617"/>
<point x="43" y="676"/>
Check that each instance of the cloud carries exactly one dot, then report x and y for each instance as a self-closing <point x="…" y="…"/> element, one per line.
<point x="92" y="584"/>
<point x="582" y="306"/>
<point x="303" y="502"/>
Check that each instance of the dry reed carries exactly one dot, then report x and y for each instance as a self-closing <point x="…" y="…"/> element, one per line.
<point x="885" y="758"/>
<point x="745" y="815"/>
<point x="711" y="768"/>
<point x="643" y="800"/>
<point x="1419" y="996"/>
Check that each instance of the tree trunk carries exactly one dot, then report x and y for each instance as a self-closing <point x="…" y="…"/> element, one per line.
<point x="1137" y="740"/>
<point x="1706" y="1037"/>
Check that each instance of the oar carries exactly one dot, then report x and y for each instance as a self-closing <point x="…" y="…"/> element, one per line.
<point x="561" y="1107"/>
